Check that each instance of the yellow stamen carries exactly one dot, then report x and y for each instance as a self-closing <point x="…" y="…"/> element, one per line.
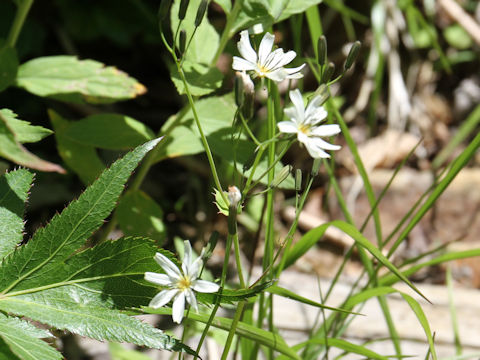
<point x="304" y="128"/>
<point x="184" y="283"/>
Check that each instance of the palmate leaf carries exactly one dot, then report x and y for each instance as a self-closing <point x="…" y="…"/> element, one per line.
<point x="69" y="230"/>
<point x="23" y="339"/>
<point x="14" y="188"/>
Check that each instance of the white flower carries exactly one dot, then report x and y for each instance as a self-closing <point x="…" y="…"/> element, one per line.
<point x="234" y="195"/>
<point x="180" y="285"/>
<point x="267" y="63"/>
<point x="305" y="123"/>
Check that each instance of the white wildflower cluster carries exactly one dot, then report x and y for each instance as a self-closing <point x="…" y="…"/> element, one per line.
<point x="305" y="122"/>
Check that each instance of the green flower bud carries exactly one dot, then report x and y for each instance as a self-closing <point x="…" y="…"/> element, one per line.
<point x="164" y="9"/>
<point x="315" y="167"/>
<point x="327" y="74"/>
<point x="322" y="50"/>
<point x="298" y="180"/>
<point x="182" y="10"/>
<point x="322" y="91"/>
<point x="352" y="55"/>
<point x="201" y="12"/>
<point x="182" y="41"/>
<point x="281" y="176"/>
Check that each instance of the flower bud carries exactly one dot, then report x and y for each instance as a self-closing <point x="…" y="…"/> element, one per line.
<point x="234" y="196"/>
<point x="182" y="10"/>
<point x="352" y="55"/>
<point x="281" y="176"/>
<point x="202" y="8"/>
<point x="315" y="167"/>
<point x="298" y="180"/>
<point x="238" y="88"/>
<point x="182" y="41"/>
<point x="322" y="50"/>
<point x="322" y="91"/>
<point x="245" y="94"/>
<point x="163" y="9"/>
<point x="327" y="74"/>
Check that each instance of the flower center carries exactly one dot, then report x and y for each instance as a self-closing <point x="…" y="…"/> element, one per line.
<point x="184" y="283"/>
<point x="304" y="128"/>
<point x="262" y="70"/>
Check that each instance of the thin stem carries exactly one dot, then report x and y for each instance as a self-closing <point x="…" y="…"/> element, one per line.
<point x="17" y="25"/>
<point x="247" y="129"/>
<point x="236" y="245"/>
<point x="237" y="6"/>
<point x="233" y="327"/>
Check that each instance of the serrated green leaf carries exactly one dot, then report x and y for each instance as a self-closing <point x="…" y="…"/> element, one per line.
<point x="11" y="149"/>
<point x="68" y="231"/>
<point x="206" y="40"/>
<point x="14" y="190"/>
<point x="8" y="67"/>
<point x="230" y="296"/>
<point x="139" y="215"/>
<point x="22" y="339"/>
<point x="55" y="308"/>
<point x="201" y="79"/>
<point x="109" y="131"/>
<point x="23" y="131"/>
<point x="82" y="159"/>
<point x="70" y="79"/>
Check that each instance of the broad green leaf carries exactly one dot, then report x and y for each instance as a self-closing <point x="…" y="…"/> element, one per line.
<point x="109" y="131"/>
<point x="182" y="137"/>
<point x="109" y="275"/>
<point x="139" y="215"/>
<point x="277" y="290"/>
<point x="23" y="340"/>
<point x="314" y="235"/>
<point x="23" y="131"/>
<point x="5" y="351"/>
<point x="70" y="79"/>
<point x="68" y="231"/>
<point x="206" y="40"/>
<point x="422" y="319"/>
<point x="8" y="67"/>
<point x="118" y="352"/>
<point x="457" y="37"/>
<point x="14" y="191"/>
<point x="57" y="309"/>
<point x="260" y="336"/>
<point x="12" y="149"/>
<point x="201" y="79"/>
<point x="82" y="159"/>
<point x="230" y="296"/>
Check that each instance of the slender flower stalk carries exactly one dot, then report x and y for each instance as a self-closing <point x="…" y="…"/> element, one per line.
<point x="305" y="123"/>
<point x="266" y="63"/>
<point x="180" y="285"/>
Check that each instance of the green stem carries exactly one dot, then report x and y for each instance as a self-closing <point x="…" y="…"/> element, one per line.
<point x="237" y="6"/>
<point x="202" y="134"/>
<point x="233" y="327"/>
<point x="22" y="12"/>
<point x="236" y="245"/>
<point x="247" y="129"/>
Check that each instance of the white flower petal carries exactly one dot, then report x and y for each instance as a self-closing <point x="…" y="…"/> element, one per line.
<point x="205" y="286"/>
<point x="314" y="112"/>
<point x="191" y="299"/>
<point x="242" y="64"/>
<point x="265" y="47"/>
<point x="294" y="73"/>
<point x="303" y="138"/>
<point x="178" y="308"/>
<point x="317" y="153"/>
<point x="159" y="279"/>
<point x="277" y="75"/>
<point x="245" y="48"/>
<point x="187" y="257"/>
<point x="162" y="298"/>
<point x="288" y="127"/>
<point x="286" y="58"/>
<point x="291" y="112"/>
<point x="297" y="100"/>
<point x="194" y="269"/>
<point x="326" y="130"/>
<point x="320" y="143"/>
<point x="168" y="266"/>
